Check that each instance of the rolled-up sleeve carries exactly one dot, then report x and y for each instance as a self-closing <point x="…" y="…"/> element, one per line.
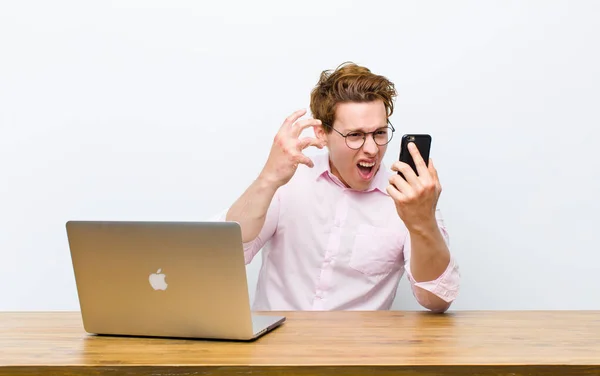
<point x="446" y="286"/>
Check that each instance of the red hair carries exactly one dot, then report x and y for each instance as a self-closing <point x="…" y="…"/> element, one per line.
<point x="349" y="83"/>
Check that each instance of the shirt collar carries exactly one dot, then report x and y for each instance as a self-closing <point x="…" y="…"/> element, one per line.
<point x="323" y="169"/>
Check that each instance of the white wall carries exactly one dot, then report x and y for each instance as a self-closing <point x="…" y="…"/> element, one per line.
<point x="143" y="110"/>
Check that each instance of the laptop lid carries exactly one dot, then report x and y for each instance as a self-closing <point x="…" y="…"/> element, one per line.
<point x="174" y="279"/>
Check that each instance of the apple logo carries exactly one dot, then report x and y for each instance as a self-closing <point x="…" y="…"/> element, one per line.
<point x="157" y="280"/>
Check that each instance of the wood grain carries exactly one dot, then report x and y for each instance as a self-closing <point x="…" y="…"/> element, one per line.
<point x="309" y="343"/>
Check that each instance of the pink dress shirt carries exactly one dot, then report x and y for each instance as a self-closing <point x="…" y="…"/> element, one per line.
<point x="328" y="247"/>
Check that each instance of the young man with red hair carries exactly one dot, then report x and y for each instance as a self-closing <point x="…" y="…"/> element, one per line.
<point x="339" y="231"/>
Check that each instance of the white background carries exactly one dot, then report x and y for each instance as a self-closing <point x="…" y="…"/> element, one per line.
<point x="165" y="110"/>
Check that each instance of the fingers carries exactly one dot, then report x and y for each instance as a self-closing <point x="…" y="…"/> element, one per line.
<point x="289" y="132"/>
<point x="304" y="143"/>
<point x="311" y="141"/>
<point x="407" y="171"/>
<point x="305" y="160"/>
<point x="301" y="125"/>
<point x="292" y="118"/>
<point x="419" y="162"/>
<point x="395" y="193"/>
<point x="292" y="126"/>
<point x="434" y="175"/>
<point x="401" y="185"/>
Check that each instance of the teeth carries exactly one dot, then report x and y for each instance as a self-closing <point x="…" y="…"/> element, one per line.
<point x="364" y="164"/>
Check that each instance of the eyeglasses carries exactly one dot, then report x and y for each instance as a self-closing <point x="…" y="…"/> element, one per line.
<point x="356" y="139"/>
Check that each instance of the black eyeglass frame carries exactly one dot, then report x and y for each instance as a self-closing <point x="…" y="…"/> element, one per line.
<point x="364" y="137"/>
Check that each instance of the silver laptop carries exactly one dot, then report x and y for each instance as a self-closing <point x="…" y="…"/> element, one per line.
<point x="164" y="279"/>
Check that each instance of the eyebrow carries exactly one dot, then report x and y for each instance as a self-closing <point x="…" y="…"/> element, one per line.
<point x="363" y="130"/>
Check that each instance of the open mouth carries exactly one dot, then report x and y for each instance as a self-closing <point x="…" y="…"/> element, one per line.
<point x="366" y="169"/>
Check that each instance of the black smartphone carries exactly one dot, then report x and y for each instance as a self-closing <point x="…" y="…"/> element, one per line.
<point x="423" y="144"/>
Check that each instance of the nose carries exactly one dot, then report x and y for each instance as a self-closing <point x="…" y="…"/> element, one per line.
<point x="370" y="147"/>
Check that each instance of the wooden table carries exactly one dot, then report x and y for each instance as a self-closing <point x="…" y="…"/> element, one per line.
<point x="309" y="343"/>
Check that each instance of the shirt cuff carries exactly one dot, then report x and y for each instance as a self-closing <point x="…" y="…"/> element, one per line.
<point x="446" y="286"/>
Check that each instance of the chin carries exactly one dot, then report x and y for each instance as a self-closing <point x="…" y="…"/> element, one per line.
<point x="357" y="178"/>
<point x="359" y="185"/>
<point x="363" y="186"/>
<point x="362" y="180"/>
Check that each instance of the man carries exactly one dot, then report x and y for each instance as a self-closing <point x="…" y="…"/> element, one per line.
<point x="340" y="230"/>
